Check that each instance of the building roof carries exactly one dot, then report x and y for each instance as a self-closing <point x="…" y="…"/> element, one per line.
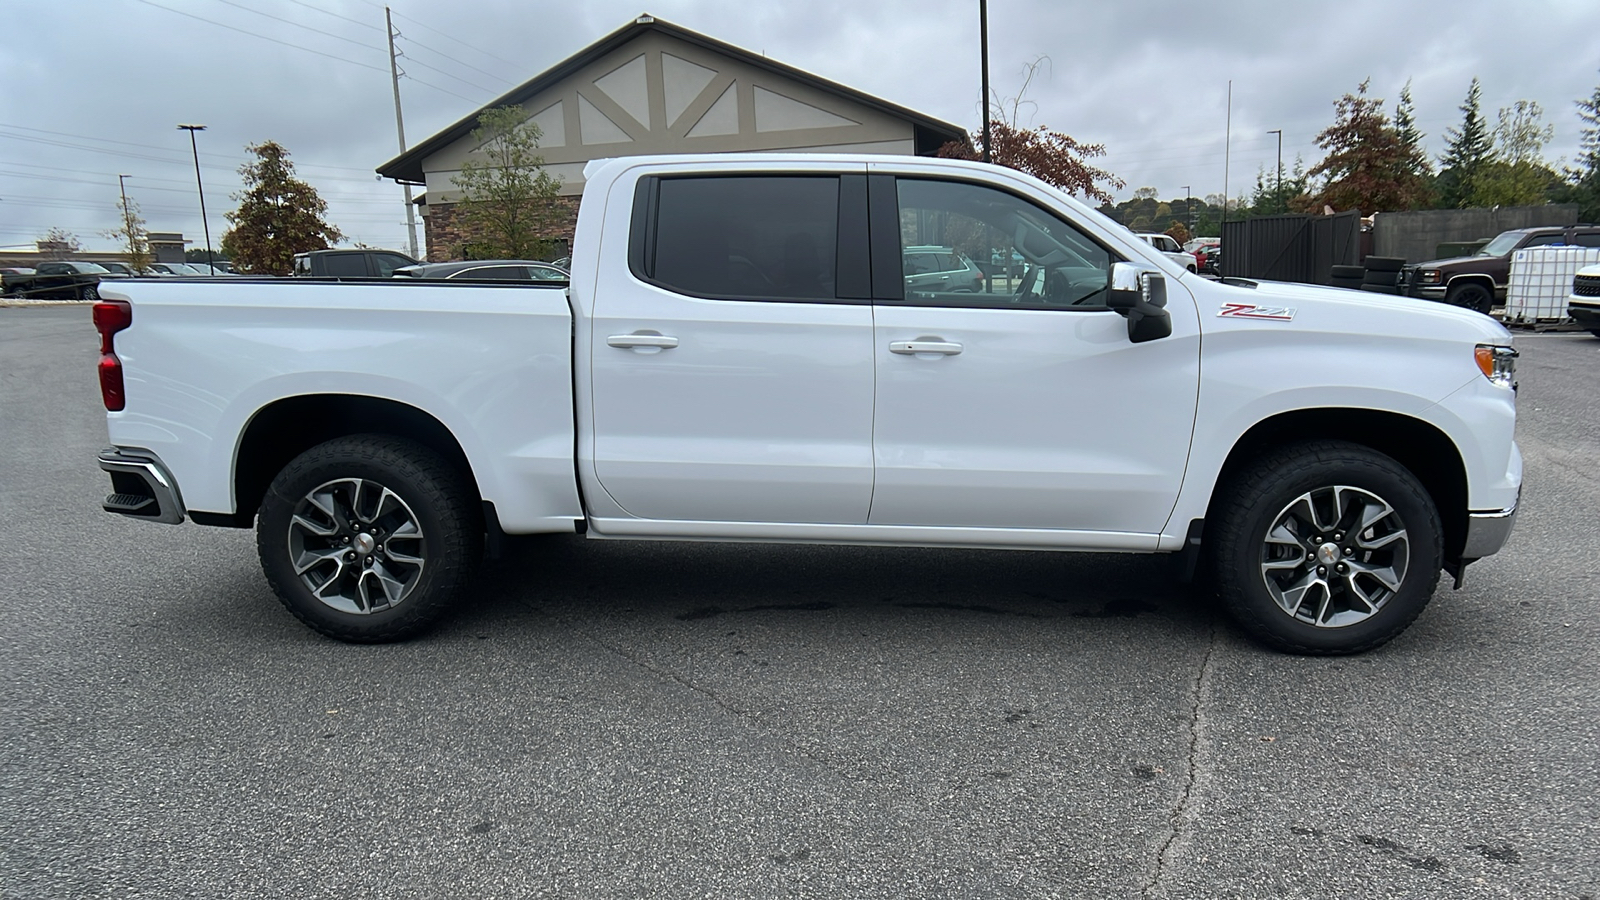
<point x="931" y="133"/>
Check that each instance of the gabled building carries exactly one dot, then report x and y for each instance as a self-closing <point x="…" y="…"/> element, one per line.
<point x="654" y="87"/>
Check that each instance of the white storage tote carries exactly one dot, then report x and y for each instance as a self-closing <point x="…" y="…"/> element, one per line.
<point x="1541" y="281"/>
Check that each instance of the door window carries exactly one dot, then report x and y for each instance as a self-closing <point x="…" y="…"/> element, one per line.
<point x="1038" y="261"/>
<point x="745" y="237"/>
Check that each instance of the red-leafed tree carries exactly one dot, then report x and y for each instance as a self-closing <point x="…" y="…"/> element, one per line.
<point x="1050" y="156"/>
<point x="1370" y="165"/>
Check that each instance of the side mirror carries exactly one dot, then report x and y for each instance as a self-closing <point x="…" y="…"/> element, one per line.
<point x="1140" y="296"/>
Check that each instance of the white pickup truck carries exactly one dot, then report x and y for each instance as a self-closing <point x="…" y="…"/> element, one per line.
<point x="739" y="356"/>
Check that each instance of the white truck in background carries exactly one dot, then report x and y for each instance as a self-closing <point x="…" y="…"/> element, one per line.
<point x="739" y="356"/>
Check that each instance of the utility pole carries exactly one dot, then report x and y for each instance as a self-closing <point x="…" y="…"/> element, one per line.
<point x="400" y="129"/>
<point x="983" y="37"/>
<point x="1279" y="190"/>
<point x="211" y="264"/>
<point x="127" y="215"/>
<point x="1188" y="208"/>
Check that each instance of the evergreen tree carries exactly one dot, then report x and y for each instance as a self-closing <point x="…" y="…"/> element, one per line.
<point x="1467" y="151"/>
<point x="1582" y="180"/>
<point x="278" y="216"/>
<point x="1405" y="125"/>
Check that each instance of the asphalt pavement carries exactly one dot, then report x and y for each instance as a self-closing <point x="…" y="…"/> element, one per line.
<point x="609" y="719"/>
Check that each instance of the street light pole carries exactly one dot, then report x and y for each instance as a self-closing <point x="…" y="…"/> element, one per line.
<point x="211" y="266"/>
<point x="1188" y="208"/>
<point x="1279" y="133"/>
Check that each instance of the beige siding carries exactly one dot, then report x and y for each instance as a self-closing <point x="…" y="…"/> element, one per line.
<point x="657" y="94"/>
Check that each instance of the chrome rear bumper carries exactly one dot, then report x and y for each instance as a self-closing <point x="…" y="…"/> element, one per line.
<point x="141" y="486"/>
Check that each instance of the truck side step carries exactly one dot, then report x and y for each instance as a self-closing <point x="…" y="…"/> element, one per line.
<point x="129" y="504"/>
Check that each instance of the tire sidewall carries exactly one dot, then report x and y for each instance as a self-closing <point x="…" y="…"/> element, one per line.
<point x="430" y="503"/>
<point x="1239" y="563"/>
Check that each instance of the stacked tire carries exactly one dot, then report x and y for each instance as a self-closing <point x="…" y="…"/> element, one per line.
<point x="1382" y="275"/>
<point x="1349" y="277"/>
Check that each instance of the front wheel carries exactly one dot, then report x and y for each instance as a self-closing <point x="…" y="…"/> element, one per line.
<point x="1472" y="296"/>
<point x="1325" y="548"/>
<point x="369" y="538"/>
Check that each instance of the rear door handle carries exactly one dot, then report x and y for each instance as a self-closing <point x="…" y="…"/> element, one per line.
<point x="642" y="340"/>
<point x="911" y="348"/>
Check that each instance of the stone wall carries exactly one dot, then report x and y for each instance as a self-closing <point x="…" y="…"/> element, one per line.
<point x="447" y="236"/>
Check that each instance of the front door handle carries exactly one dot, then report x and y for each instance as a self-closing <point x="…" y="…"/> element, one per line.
<point x="642" y="340"/>
<point x="911" y="348"/>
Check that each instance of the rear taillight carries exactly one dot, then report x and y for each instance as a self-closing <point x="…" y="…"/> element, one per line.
<point x="110" y="317"/>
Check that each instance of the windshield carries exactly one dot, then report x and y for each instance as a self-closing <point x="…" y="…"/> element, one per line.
<point x="1501" y="245"/>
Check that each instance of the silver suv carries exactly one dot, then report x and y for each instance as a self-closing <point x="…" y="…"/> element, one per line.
<point x="940" y="270"/>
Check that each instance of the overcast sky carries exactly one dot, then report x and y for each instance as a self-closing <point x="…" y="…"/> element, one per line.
<point x="94" y="88"/>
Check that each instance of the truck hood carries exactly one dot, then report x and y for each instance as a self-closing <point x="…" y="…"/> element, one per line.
<point x="1464" y="263"/>
<point x="1328" y="309"/>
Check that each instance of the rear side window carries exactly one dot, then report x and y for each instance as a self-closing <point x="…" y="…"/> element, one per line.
<point x="745" y="237"/>
<point x="1587" y="239"/>
<point x="346" y="265"/>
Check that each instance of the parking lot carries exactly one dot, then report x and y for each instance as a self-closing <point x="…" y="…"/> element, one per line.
<point x="702" y="720"/>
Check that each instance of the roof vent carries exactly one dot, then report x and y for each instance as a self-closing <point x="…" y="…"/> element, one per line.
<point x="645" y="19"/>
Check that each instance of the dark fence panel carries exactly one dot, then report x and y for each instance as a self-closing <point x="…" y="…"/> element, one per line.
<point x="1291" y="248"/>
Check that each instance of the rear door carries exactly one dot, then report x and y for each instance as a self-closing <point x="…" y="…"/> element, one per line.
<point x="731" y="359"/>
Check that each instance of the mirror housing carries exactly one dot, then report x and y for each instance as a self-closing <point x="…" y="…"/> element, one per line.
<point x="1140" y="296"/>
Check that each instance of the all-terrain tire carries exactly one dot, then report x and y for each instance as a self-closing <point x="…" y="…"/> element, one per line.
<point x="1252" y="559"/>
<point x="1383" y="263"/>
<point x="1472" y="296"/>
<point x="1355" y="272"/>
<point x="416" y="517"/>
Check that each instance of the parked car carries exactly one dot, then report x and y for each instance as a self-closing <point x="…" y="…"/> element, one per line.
<point x="117" y="268"/>
<point x="57" y="280"/>
<point x="700" y="379"/>
<point x="1584" y="304"/>
<point x="15" y="270"/>
<point x="1479" y="281"/>
<point x="172" y="270"/>
<point x="359" y="263"/>
<point x="1171" y="250"/>
<point x="939" y="269"/>
<point x="486" y="270"/>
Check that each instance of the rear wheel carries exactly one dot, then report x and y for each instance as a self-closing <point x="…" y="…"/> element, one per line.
<point x="1326" y="548"/>
<point x="369" y="538"/>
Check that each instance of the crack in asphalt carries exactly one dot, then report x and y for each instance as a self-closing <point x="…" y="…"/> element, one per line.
<point x="1183" y="810"/>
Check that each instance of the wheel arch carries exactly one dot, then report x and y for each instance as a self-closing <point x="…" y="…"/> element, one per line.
<point x="1419" y="446"/>
<point x="1475" y="278"/>
<point x="285" y="428"/>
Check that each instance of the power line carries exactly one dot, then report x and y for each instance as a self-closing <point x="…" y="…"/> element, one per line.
<point x="300" y="25"/>
<point x="256" y="35"/>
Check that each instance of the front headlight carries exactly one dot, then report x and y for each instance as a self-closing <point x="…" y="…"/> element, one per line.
<point x="1427" y="276"/>
<point x="1498" y="364"/>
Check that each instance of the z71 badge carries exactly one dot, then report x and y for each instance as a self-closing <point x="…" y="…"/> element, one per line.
<point x="1252" y="311"/>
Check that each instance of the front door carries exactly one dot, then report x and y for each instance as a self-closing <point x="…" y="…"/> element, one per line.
<point x="1023" y="405"/>
<point x="731" y="380"/>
